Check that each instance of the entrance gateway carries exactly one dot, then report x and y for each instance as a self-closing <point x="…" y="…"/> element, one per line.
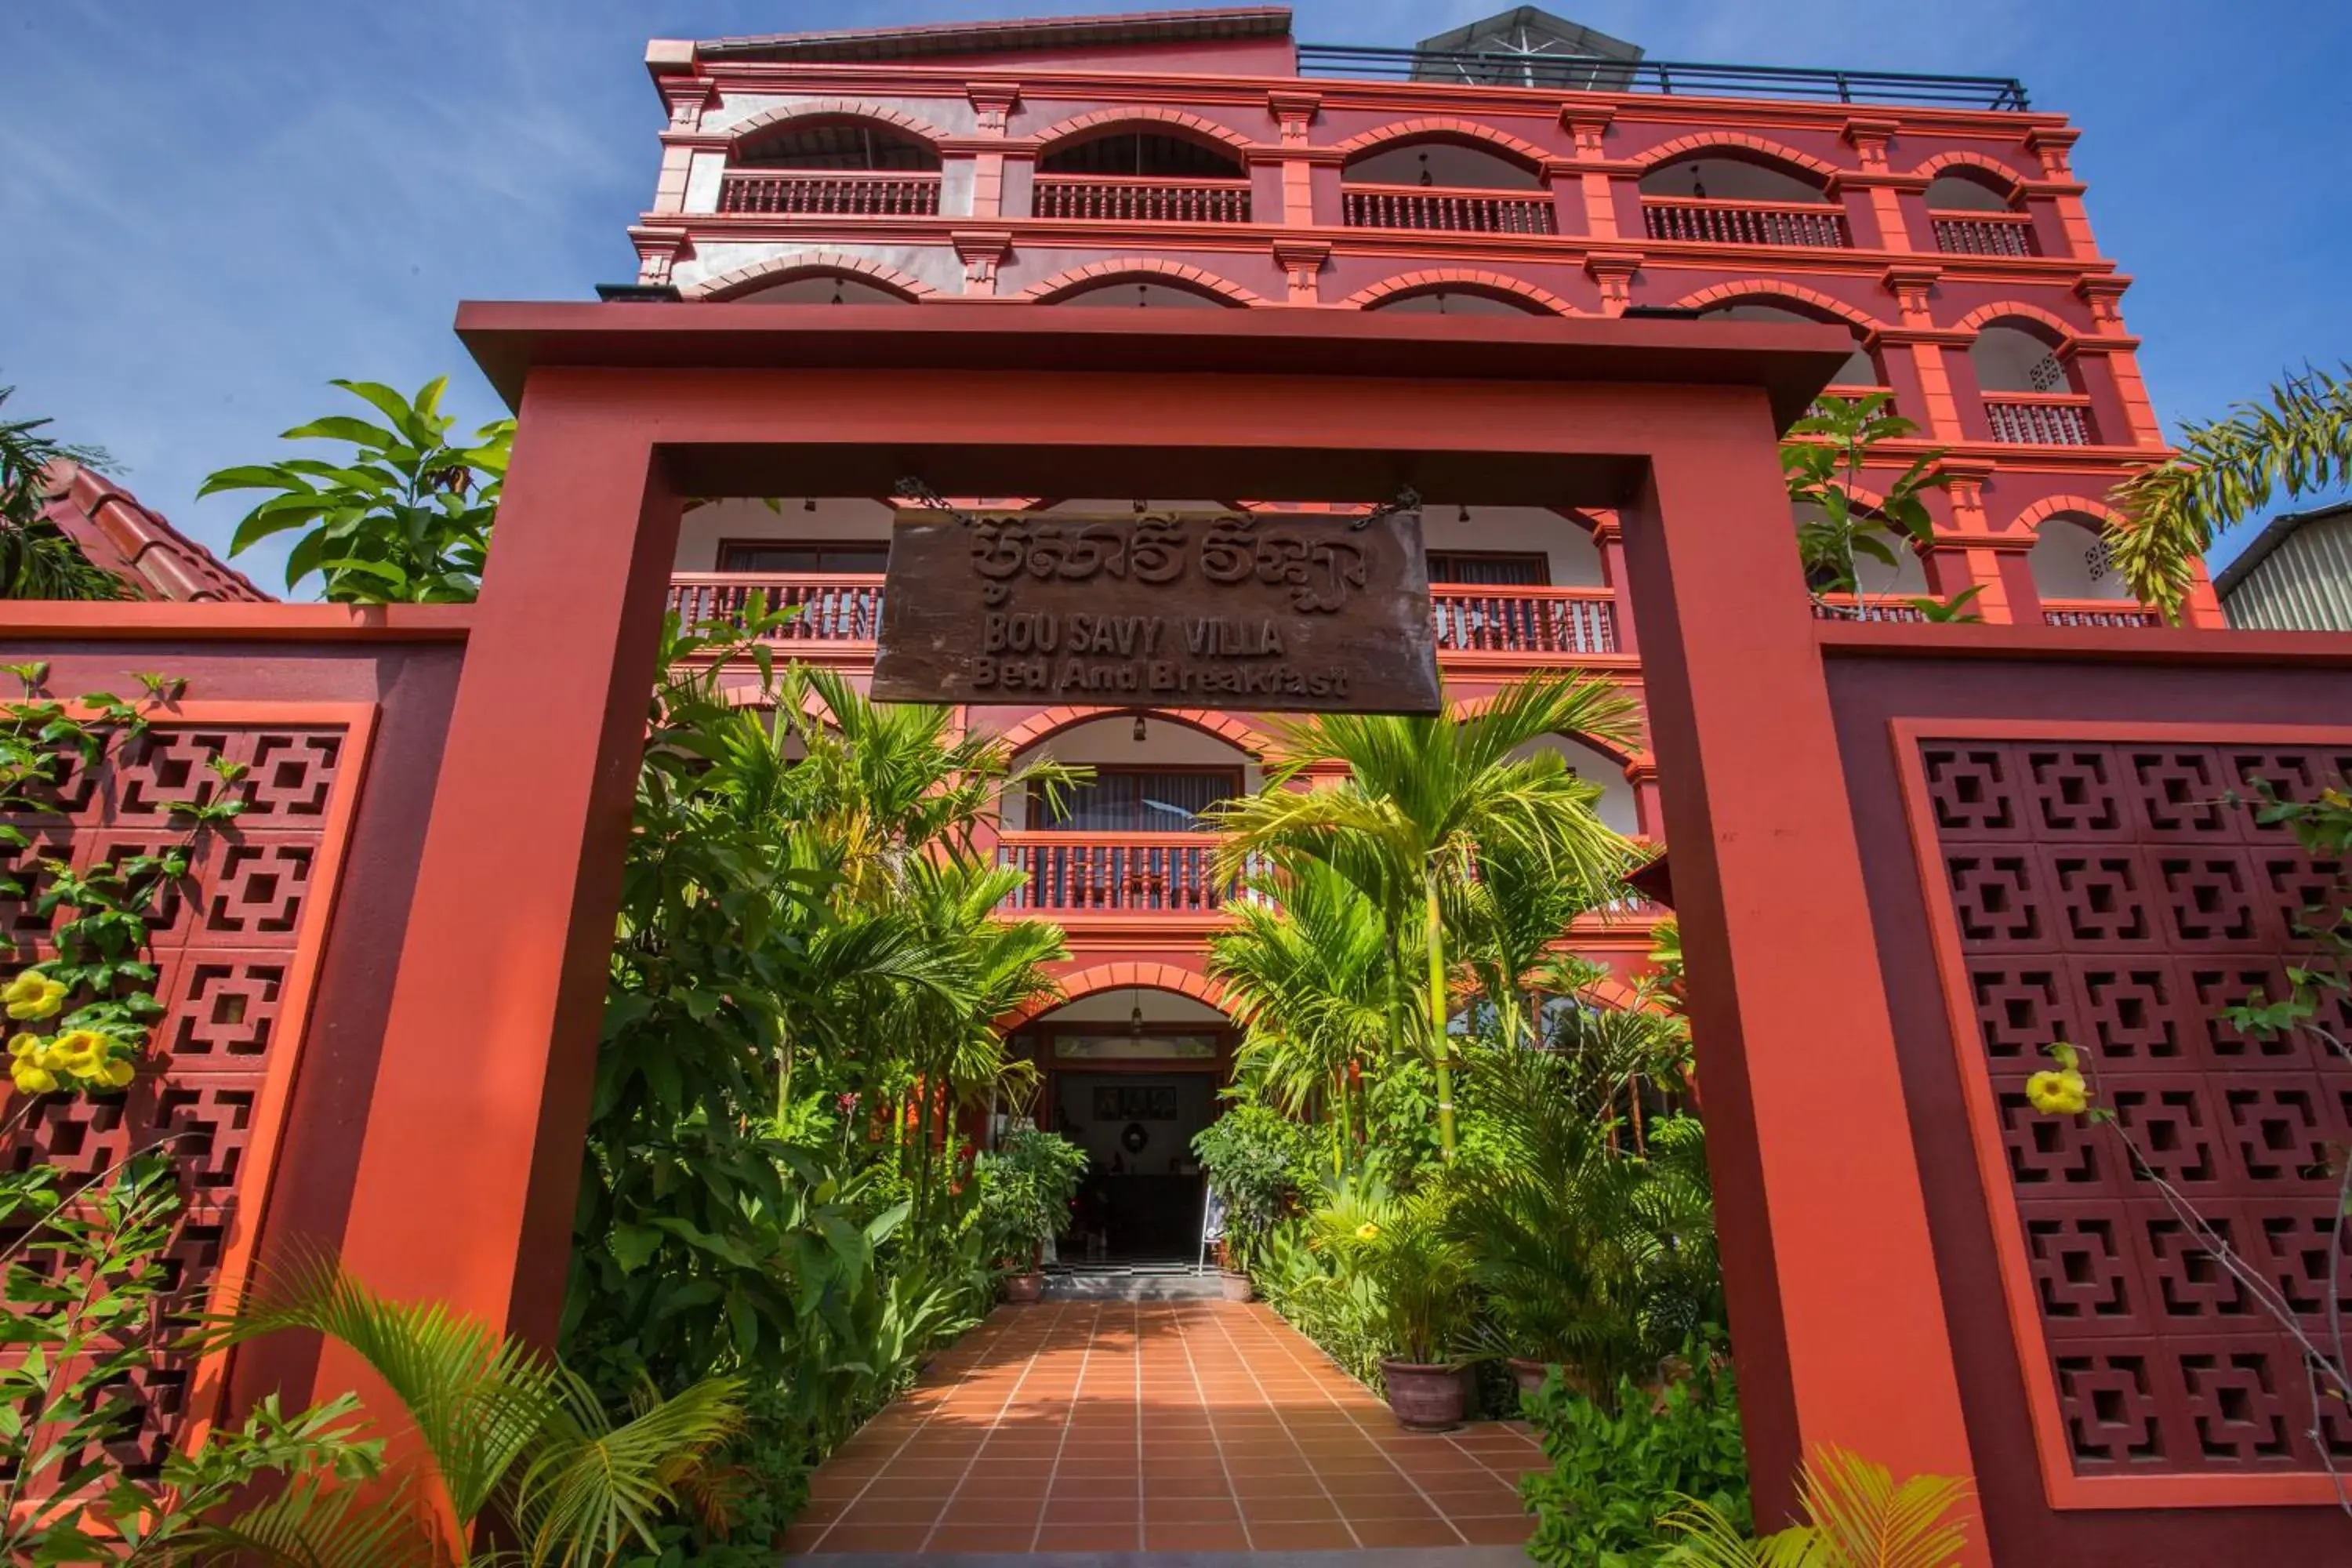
<point x="1837" y="795"/>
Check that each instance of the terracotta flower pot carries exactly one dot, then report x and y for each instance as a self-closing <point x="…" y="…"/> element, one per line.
<point x="1025" y="1288"/>
<point x="1236" y="1286"/>
<point x="1422" y="1398"/>
<point x="1529" y="1374"/>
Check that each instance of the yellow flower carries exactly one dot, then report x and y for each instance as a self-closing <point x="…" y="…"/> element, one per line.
<point x="32" y="995"/>
<point x="2061" y="1093"/>
<point x="120" y="1072"/>
<point x="31" y="1079"/>
<point x="81" y="1052"/>
<point x="1368" y="1231"/>
<point x="25" y="1045"/>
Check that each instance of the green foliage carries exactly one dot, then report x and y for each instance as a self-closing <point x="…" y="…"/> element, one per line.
<point x="406" y="518"/>
<point x="1026" y="1184"/>
<point x="1400" y="1252"/>
<point x="1856" y="1517"/>
<point x="2298" y="439"/>
<point x="1257" y="1160"/>
<point x="37" y="560"/>
<point x="1837" y="530"/>
<point x="1618" y="1469"/>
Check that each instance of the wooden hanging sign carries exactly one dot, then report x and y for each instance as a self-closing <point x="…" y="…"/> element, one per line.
<point x="1283" y="613"/>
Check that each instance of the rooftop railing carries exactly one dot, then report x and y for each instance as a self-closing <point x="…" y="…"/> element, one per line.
<point x="1682" y="77"/>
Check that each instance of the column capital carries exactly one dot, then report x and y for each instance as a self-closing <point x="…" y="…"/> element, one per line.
<point x="1613" y="270"/>
<point x="1869" y="138"/>
<point x="2052" y="143"/>
<point x="1588" y="123"/>
<point x="1294" y="109"/>
<point x="992" y="100"/>
<point x="981" y="252"/>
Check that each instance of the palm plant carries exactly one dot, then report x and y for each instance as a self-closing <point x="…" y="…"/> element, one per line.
<point x="1306" y="968"/>
<point x="498" y="1432"/>
<point x="2298" y="439"/>
<point x="1511" y="915"/>
<point x="37" y="560"/>
<point x="404" y="520"/>
<point x="1404" y="1249"/>
<point x="1856" y="1517"/>
<point x="1422" y="798"/>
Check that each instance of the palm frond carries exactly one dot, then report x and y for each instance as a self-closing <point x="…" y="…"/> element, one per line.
<point x="314" y="1523"/>
<point x="1869" y="1522"/>
<point x="589" y="1488"/>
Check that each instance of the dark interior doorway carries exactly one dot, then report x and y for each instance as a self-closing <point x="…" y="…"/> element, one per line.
<point x="1141" y="1200"/>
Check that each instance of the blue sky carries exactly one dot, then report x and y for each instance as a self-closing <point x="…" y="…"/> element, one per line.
<point x="208" y="210"/>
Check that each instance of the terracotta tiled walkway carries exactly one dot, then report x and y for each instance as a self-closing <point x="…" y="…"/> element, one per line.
<point x="1179" y="1426"/>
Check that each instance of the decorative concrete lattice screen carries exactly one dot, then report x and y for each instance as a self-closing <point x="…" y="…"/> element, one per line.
<point x="235" y="943"/>
<point x="2115" y="895"/>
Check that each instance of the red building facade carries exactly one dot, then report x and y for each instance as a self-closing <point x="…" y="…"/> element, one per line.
<point x="1187" y="161"/>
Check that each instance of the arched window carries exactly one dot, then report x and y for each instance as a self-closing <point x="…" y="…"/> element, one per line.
<point x="1148" y="155"/>
<point x="839" y="144"/>
<point x="1906" y="578"/>
<point x="2017" y="355"/>
<point x="1858" y="370"/>
<point x="2069" y="559"/>
<point x="1440" y="162"/>
<point x="823" y="286"/>
<point x="1726" y="176"/>
<point x="1460" y="300"/>
<point x="835" y="166"/>
<point x="1967" y="190"/>
<point x="1148" y="293"/>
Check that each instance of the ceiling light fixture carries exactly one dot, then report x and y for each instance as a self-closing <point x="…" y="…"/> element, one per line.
<point x="1135" y="1019"/>
<point x="1139" y="731"/>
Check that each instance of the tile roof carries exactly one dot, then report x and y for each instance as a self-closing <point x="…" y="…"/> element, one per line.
<point x="136" y="544"/>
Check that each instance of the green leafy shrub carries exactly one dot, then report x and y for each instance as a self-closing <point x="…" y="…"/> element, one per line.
<point x="1026" y="1184"/>
<point x="1615" y="1474"/>
<point x="1257" y="1160"/>
<point x="1856" y="1516"/>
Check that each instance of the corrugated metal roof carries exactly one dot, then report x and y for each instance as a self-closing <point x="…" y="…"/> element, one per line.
<point x="1026" y="33"/>
<point x="2297" y="576"/>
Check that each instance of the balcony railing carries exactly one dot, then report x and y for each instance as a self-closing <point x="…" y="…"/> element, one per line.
<point x="1524" y="620"/>
<point x="1815" y="224"/>
<point x="1449" y="211"/>
<point x="1114" y="873"/>
<point x="1853" y="393"/>
<point x="1128" y="199"/>
<point x="1985" y="234"/>
<point x="2097" y="613"/>
<point x="800" y="191"/>
<point x="2041" y="419"/>
<point x="838" y="608"/>
<point x="1873" y="608"/>
<point x="847" y="607"/>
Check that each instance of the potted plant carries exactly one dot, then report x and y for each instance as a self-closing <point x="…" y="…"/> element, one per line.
<point x="1253" y="1155"/>
<point x="1421" y="1300"/>
<point x="1026" y="1183"/>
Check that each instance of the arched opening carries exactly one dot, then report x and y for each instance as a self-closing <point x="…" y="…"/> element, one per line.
<point x="841" y="144"/>
<point x="1133" y="152"/>
<point x="2017" y="355"/>
<point x="1731" y="196"/>
<point x="1459" y="299"/>
<point x="836" y="166"/>
<point x="823" y="286"/>
<point x="1968" y="190"/>
<point x="1143" y="293"/>
<point x="1905" y="579"/>
<point x="1130" y="1075"/>
<point x="1858" y="370"/>
<point x="2031" y="395"/>
<point x="1517" y="546"/>
<point x="1439" y="182"/>
<point x="1618" y="808"/>
<point x="2071" y="561"/>
<point x="1976" y="212"/>
<point x="1728" y="177"/>
<point x="1150" y="776"/>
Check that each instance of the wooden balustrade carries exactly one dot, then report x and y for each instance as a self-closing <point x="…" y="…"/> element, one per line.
<point x="1524" y="620"/>
<point x="1114" y="873"/>
<point x="827" y="607"/>
<point x="1873" y="607"/>
<point x="1985" y="234"/>
<point x="1448" y="211"/>
<point x="828" y="194"/>
<point x="2097" y="613"/>
<point x="1819" y="226"/>
<point x="2040" y="418"/>
<point x="1130" y="199"/>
